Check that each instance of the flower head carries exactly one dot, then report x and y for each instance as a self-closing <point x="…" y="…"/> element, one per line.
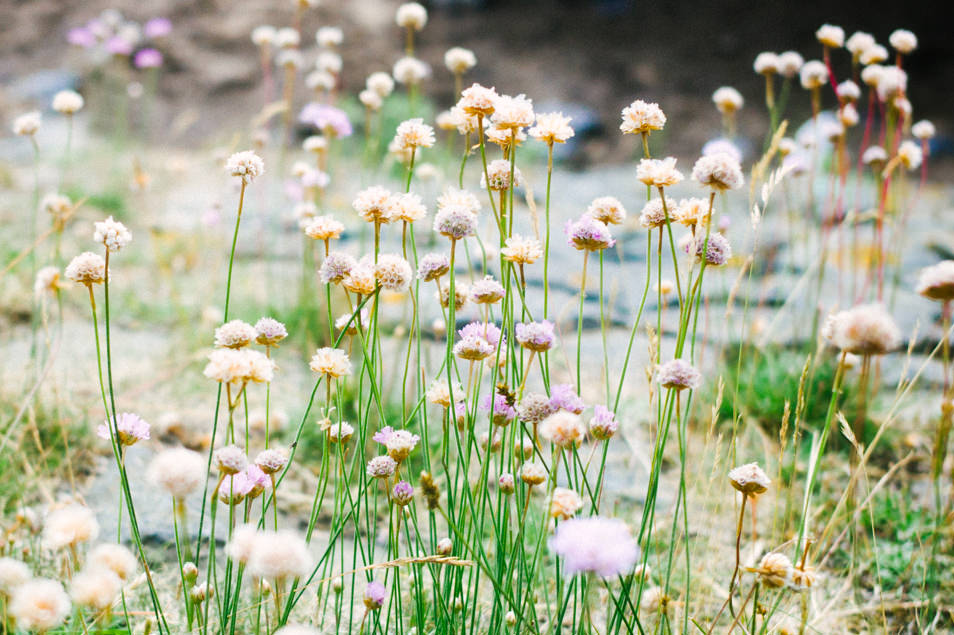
<point x="658" y="172"/>
<point x="749" y="479"/>
<point x="588" y="234"/>
<point x="414" y="133"/>
<point x="235" y="334"/>
<point x="245" y="165"/>
<point x="716" y="246"/>
<point x="393" y="272"/>
<point x="381" y="466"/>
<point x="727" y="100"/>
<point x="459" y="60"/>
<point x="535" y="336"/>
<point x="486" y="291"/>
<point x="336" y="267"/>
<point x="279" y="555"/>
<point x="131" y="427"/>
<point x="655" y="214"/>
<point x="502" y="412"/>
<point x="642" y="117"/>
<point x="402" y="493"/>
<point x="563" y="429"/>
<point x="498" y="176"/>
<point x="408" y="207"/>
<point x="381" y="83"/>
<point x="269" y="331"/>
<point x="720" y="171"/>
<point x="534" y="408"/>
<point x="831" y="36"/>
<point x="903" y="41"/>
<point x="813" y="75"/>
<point x="432" y="267"/>
<point x="374" y="204"/>
<point x="332" y="122"/>
<point x="67" y="102"/>
<point x="478" y="100"/>
<point x="27" y="124"/>
<point x="563" y="397"/>
<point x="522" y="251"/>
<point x="512" y="113"/>
<point x="374" y="595"/>
<point x="331" y="362"/>
<point x="40" y="604"/>
<point x="69" y="526"/>
<point x="775" y="569"/>
<point x="599" y="545"/>
<point x="937" y="281"/>
<point x="863" y="330"/>
<point x="607" y="209"/>
<point x="678" y="374"/>
<point x="564" y="503"/>
<point x="178" y="471"/>
<point x="551" y="127"/>
<point x="410" y="70"/>
<point x="411" y="15"/>
<point x="324" y="228"/>
<point x="603" y="425"/>
<point x="112" y="234"/>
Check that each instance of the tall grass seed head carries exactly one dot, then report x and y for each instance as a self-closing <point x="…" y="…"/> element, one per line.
<point x="551" y="127"/>
<point x="522" y="251"/>
<point x="111" y="233"/>
<point x="642" y="117"/>
<point x="749" y="479"/>
<point x="719" y="171"/>
<point x="332" y="362"/>
<point x="459" y="60"/>
<point x="599" y="545"/>
<point x="235" y="334"/>
<point x="40" y="604"/>
<point x="69" y="526"/>
<point x="245" y="165"/>
<point x="178" y="471"/>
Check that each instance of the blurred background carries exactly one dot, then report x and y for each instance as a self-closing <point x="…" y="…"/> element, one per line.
<point x="587" y="57"/>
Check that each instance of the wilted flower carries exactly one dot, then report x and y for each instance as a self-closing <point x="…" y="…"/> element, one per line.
<point x="774" y="570"/>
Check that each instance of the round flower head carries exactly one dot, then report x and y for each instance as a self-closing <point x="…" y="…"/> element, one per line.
<point x="937" y="281"/>
<point x="402" y="493"/>
<point x="534" y="408"/>
<point x="272" y="460"/>
<point x="393" y="272"/>
<point x="332" y="122"/>
<point x="178" y="471"/>
<point x="411" y="15"/>
<point x="408" y="207"/>
<point x="336" y="267"/>
<point x="287" y="37"/>
<point x="264" y="35"/>
<point x="486" y="291"/>
<point x="532" y="474"/>
<point x="910" y="155"/>
<point x="57" y="205"/>
<point x="849" y="91"/>
<point x="329" y="37"/>
<point x="455" y="222"/>
<point x="642" y="117"/>
<point x="445" y="546"/>
<point x="112" y="234"/>
<point x="230" y="459"/>
<point x="279" y="555"/>
<point x="235" y="334"/>
<point x="607" y="209"/>
<point x="863" y="330"/>
<point x="374" y="204"/>
<point x="13" y="573"/>
<point x="399" y="443"/>
<point x="39" y="605"/>
<point x="69" y="526"/>
<point x="47" y="281"/>
<point x="552" y="127"/>
<point x="831" y="36"/>
<point x="95" y="588"/>
<point x="331" y="362"/>
<point x="234" y="366"/>
<point x="903" y="41"/>
<point x="269" y="331"/>
<point x="67" y="102"/>
<point x="564" y="503"/>
<point x="506" y="481"/>
<point x="563" y="397"/>
<point x="461" y="293"/>
<point x="381" y="83"/>
<point x="678" y="374"/>
<point x="432" y="267"/>
<point x="874" y="155"/>
<point x="790" y="63"/>
<point x="892" y="82"/>
<point x="720" y="171"/>
<point x="717" y="249"/>
<point x="439" y="393"/>
<point x="588" y="234"/>
<point x="370" y="99"/>
<point x="340" y="432"/>
<point x="381" y="467"/>
<point x="656" y="215"/>
<point x="858" y="43"/>
<point x="414" y="133"/>
<point x="727" y="100"/>
<point x="498" y="173"/>
<point x="329" y="62"/>
<point x="512" y="113"/>
<point x="749" y="479"/>
<point x="242" y="543"/>
<point x="132" y="428"/>
<point x="522" y="251"/>
<point x="535" y="336"/>
<point x="848" y="116"/>
<point x="501" y="412"/>
<point x="774" y="570"/>
<point x="923" y="130"/>
<point x="563" y="429"/>
<point x="115" y="558"/>
<point x="374" y="595"/>
<point x="603" y="425"/>
<point x="324" y="228"/>
<point x="410" y="70"/>
<point x="693" y="212"/>
<point x="27" y="125"/>
<point x="603" y="546"/>
<point x="459" y="60"/>
<point x="478" y="100"/>
<point x="766" y="63"/>
<point x="246" y="165"/>
<point x="813" y="75"/>
<point x="234" y="488"/>
<point x="658" y="172"/>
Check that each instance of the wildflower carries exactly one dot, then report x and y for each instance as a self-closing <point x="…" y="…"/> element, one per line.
<point x="530" y="473"/>
<point x="236" y="487"/>
<point x="693" y="212"/>
<point x="229" y="365"/>
<point x="774" y="570"/>
<point x="131" y="427"/>
<point x="329" y="37"/>
<point x="272" y="460"/>
<point x="478" y="100"/>
<point x="848" y="115"/>
<point x="678" y="374"/>
<point x="803" y="579"/>
<point x="402" y="493"/>
<point x="486" y="291"/>
<point x="658" y="172"/>
<point x="336" y="267"/>
<point x="535" y="336"/>
<point x="178" y="471"/>
<point x="459" y="60"/>
<point x="235" y="334"/>
<point x="47" y="281"/>
<point x="588" y="234"/>
<point x="903" y="41"/>
<point x="892" y="82"/>
<point x="264" y="35"/>
<point x="910" y="155"/>
<point x="432" y="267"/>
<point x="766" y="63"/>
<point x="370" y="99"/>
<point x="455" y="223"/>
<point x="831" y="36"/>
<point x="727" y="100"/>
<point x="506" y="482"/>
<point x="279" y="555"/>
<point x="641" y="117"/>
<point x="512" y="113"/>
<point x="502" y="412"/>
<point x="563" y="397"/>
<point x="445" y="546"/>
<point x="717" y="249"/>
<point x="399" y="443"/>
<point x="374" y="595"/>
<point x="381" y="83"/>
<point x="246" y="165"/>
<point x="872" y="57"/>
<point x="324" y="228"/>
<point x="411" y="15"/>
<point x="858" y="43"/>
<point x="603" y="425"/>
<point x="13" y="573"/>
<point x="498" y="173"/>
<point x="461" y="292"/>
<point x="407" y="207"/>
<point x="654" y="601"/>
<point x="863" y="330"/>
<point x="230" y="459"/>
<point x="414" y="133"/>
<point x="410" y="70"/>
<point x="749" y="479"/>
<point x="563" y="429"/>
<point x="112" y="234"/>
<point x="40" y="604"/>
<point x="813" y="75"/>
<point x="393" y="272"/>
<point x="381" y="467"/>
<point x="115" y="558"/>
<point x="329" y="62"/>
<point x="69" y="526"/>
<point x="564" y="503"/>
<point x="599" y="545"/>
<point x="340" y="432"/>
<point x="67" y="102"/>
<point x="923" y="130"/>
<point x="332" y="122"/>
<point x="95" y="588"/>
<point x="374" y="204"/>
<point x="937" y="281"/>
<point x="551" y="127"/>
<point x="331" y="362"/>
<point x="478" y="341"/>
<point x="287" y="37"/>
<point x="720" y="171"/>
<point x="534" y="408"/>
<point x="874" y="155"/>
<point x="655" y="214"/>
<point x="790" y="63"/>
<point x="522" y="251"/>
<point x="201" y="592"/>
<point x="27" y="125"/>
<point x="269" y="331"/>
<point x="607" y="209"/>
<point x="848" y="91"/>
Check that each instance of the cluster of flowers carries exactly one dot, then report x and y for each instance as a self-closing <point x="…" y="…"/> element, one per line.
<point x="111" y="34"/>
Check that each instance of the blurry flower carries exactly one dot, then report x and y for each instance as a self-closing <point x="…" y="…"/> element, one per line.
<point x="459" y="60"/>
<point x="381" y="83"/>
<point x="534" y="408"/>
<point x="411" y="15"/>
<point x="863" y="330"/>
<point x="693" y="212"/>
<point x="564" y="503"/>
<point x="858" y="43"/>
<point x="331" y="121"/>
<point x="563" y="429"/>
<point x="831" y="36"/>
<point x="229" y="365"/>
<point x="910" y="155"/>
<point x="522" y="251"/>
<point x="287" y="38"/>
<point x="235" y="334"/>
<point x="279" y="555"/>
<point x="937" y="281"/>
<point x="720" y="171"/>
<point x="329" y="37"/>
<point x="774" y="570"/>
<point x="588" y="234"/>
<point x="329" y="62"/>
<point x="155" y="28"/>
<point x="67" y="102"/>
<point x="607" y="209"/>
<point x="502" y="413"/>
<point x="678" y="374"/>
<point x="111" y="233"/>
<point x="47" y="281"/>
<point x="903" y="41"/>
<point x="331" y="362"/>
<point x="410" y="71"/>
<point x="813" y="75"/>
<point x="923" y="130"/>
<point x="766" y="63"/>
<point x="551" y="127"/>
<point x="374" y="595"/>
<point x="749" y="479"/>
<point x="414" y="133"/>
<point x="790" y="63"/>
<point x="95" y="588"/>
<point x="39" y="604"/>
<point x="370" y="99"/>
<point x="642" y="117"/>
<point x="848" y="91"/>
<point x="506" y="482"/>
<point x="178" y="471"/>
<point x="872" y="56"/>
<point x="599" y="545"/>
<point x="892" y="82"/>
<point x="115" y="558"/>
<point x="874" y="155"/>
<point x="654" y="601"/>
<point x="439" y="393"/>
<point x="69" y="526"/>
<point x="727" y="100"/>
<point x="147" y="58"/>
<point x="246" y="165"/>
<point x="532" y="474"/>
<point x="131" y="427"/>
<point x="263" y="35"/>
<point x="28" y="124"/>
<point x="563" y="397"/>
<point x="603" y="425"/>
